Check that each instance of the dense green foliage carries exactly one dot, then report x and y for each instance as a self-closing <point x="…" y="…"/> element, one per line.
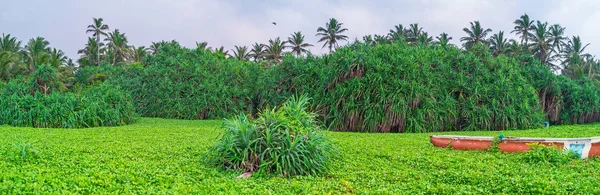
<point x="283" y="141"/>
<point x="540" y="153"/>
<point x="159" y="156"/>
<point x="103" y="105"/>
<point x="394" y="87"/>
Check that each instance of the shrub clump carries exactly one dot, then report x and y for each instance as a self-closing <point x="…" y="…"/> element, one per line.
<point x="539" y="153"/>
<point x="102" y="105"/>
<point x="285" y="141"/>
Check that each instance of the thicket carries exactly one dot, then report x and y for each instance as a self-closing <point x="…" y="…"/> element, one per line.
<point x="31" y="103"/>
<point x="363" y="87"/>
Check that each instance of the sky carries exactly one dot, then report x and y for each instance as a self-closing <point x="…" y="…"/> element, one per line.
<point x="243" y="22"/>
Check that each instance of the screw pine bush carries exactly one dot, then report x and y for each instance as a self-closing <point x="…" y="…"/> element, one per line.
<point x="282" y="141"/>
<point x="103" y="105"/>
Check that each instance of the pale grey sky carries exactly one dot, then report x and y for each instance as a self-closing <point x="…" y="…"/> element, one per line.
<point x="243" y="22"/>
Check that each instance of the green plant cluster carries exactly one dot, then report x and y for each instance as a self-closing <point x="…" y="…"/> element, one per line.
<point x="539" y="153"/>
<point x="394" y="87"/>
<point x="161" y="156"/>
<point x="102" y="105"/>
<point x="284" y="141"/>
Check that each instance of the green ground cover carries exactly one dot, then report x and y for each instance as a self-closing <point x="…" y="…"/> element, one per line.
<point x="165" y="156"/>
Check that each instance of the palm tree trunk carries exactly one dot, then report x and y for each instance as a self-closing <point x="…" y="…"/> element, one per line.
<point x="98" y="48"/>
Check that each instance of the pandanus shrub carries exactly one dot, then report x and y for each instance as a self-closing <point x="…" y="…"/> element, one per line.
<point x="102" y="105"/>
<point x="284" y="141"/>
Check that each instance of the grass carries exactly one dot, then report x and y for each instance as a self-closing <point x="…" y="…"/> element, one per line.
<point x="164" y="156"/>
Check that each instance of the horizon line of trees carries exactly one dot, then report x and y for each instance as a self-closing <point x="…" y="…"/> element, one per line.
<point x="546" y="42"/>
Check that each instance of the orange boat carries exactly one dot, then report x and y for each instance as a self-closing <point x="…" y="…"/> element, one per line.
<point x="585" y="147"/>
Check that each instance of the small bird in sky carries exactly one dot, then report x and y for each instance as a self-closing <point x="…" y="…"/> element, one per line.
<point x="273" y="23"/>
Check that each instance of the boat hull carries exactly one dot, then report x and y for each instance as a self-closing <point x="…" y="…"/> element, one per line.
<point x="585" y="147"/>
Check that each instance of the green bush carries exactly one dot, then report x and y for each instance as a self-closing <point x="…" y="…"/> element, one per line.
<point x="103" y="105"/>
<point x="285" y="141"/>
<point x="539" y="153"/>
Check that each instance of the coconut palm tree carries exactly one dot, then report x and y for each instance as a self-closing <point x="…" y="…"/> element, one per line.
<point x="274" y="50"/>
<point x="498" y="44"/>
<point x="57" y="58"/>
<point x="156" y="46"/>
<point x="117" y="42"/>
<point x="424" y="39"/>
<point x="137" y="54"/>
<point x="557" y="35"/>
<point x="475" y="35"/>
<point x="523" y="27"/>
<point x="10" y="64"/>
<point x="98" y="29"/>
<point x="413" y="33"/>
<point x="241" y="53"/>
<point x="258" y="51"/>
<point x="574" y="52"/>
<point x="36" y="51"/>
<point x="8" y="43"/>
<point x="397" y="33"/>
<point x="297" y="44"/>
<point x="443" y="40"/>
<point x="203" y="46"/>
<point x="541" y="42"/>
<point x="90" y="52"/>
<point x="221" y="52"/>
<point x="331" y="34"/>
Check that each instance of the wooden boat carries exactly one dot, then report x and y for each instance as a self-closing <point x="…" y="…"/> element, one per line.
<point x="585" y="147"/>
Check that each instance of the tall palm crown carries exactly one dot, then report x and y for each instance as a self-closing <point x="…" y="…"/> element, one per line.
<point x="8" y="43"/>
<point x="203" y="46"/>
<point x="89" y="54"/>
<point x="258" y="51"/>
<point x="297" y="44"/>
<point x="57" y="58"/>
<point x="98" y="29"/>
<point x="523" y="27"/>
<point x="274" y="50"/>
<point x="413" y="33"/>
<point x="117" y="42"/>
<point x="37" y="52"/>
<point x="475" y="35"/>
<point x="397" y="32"/>
<point x="574" y="52"/>
<point x="424" y="39"/>
<point x="241" y="53"/>
<point x="541" y="41"/>
<point x="221" y="52"/>
<point x="498" y="44"/>
<point x="557" y="35"/>
<point x="331" y="34"/>
<point x="443" y="39"/>
<point x="137" y="54"/>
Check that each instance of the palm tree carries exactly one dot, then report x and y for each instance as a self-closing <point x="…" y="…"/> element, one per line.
<point x="297" y="44"/>
<point x="203" y="46"/>
<point x="98" y="29"/>
<point x="37" y="52"/>
<point x="117" y="41"/>
<point x="156" y="46"/>
<point x="397" y="32"/>
<point x="10" y="64"/>
<point x="258" y="51"/>
<point x="574" y="52"/>
<point x="241" y="53"/>
<point x="443" y="40"/>
<point x="274" y="50"/>
<point x="542" y="42"/>
<point x="331" y="34"/>
<point x="90" y="52"/>
<point x="523" y="27"/>
<point x="557" y="35"/>
<point x="8" y="43"/>
<point x="498" y="44"/>
<point x="424" y="39"/>
<point x="137" y="54"/>
<point x="57" y="58"/>
<point x="221" y="52"/>
<point x="475" y="35"/>
<point x="413" y="33"/>
<point x="382" y="39"/>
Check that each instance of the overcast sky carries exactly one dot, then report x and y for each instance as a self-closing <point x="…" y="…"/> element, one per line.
<point x="243" y="22"/>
